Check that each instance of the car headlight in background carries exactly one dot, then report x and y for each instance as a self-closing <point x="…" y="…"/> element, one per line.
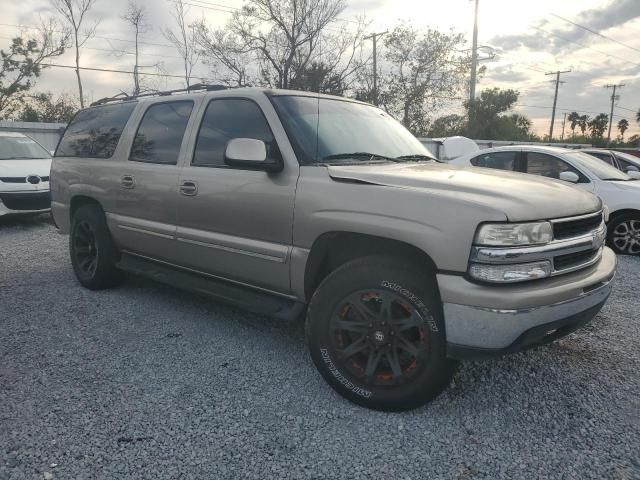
<point x="520" y="272"/>
<point x="514" y="234"/>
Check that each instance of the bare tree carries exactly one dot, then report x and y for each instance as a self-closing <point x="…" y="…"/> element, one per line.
<point x="184" y="39"/>
<point x="136" y="17"/>
<point x="74" y="13"/>
<point x="425" y="70"/>
<point x="23" y="63"/>
<point x="223" y="49"/>
<point x="284" y="34"/>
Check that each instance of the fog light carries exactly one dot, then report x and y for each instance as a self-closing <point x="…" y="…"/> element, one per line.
<point x="520" y="272"/>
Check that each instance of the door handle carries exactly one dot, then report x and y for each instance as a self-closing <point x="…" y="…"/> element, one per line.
<point x="128" y="181"/>
<point x="189" y="188"/>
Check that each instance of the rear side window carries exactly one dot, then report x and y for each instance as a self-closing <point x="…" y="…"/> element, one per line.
<point x="160" y="133"/>
<point x="95" y="132"/>
<point x="499" y="160"/>
<point x="224" y="120"/>
<point x="603" y="156"/>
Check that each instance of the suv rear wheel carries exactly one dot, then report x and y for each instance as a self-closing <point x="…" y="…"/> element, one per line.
<point x="376" y="334"/>
<point x="93" y="252"/>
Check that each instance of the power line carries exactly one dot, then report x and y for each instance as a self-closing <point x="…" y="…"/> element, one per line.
<point x="596" y="33"/>
<point x="110" y="70"/>
<point x="626" y="60"/>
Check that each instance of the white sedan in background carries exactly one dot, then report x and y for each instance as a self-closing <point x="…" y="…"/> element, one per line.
<point x="24" y="175"/>
<point x="619" y="191"/>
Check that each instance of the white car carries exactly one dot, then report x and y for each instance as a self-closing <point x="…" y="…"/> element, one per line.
<point x="24" y="175"/>
<point x="619" y="191"/>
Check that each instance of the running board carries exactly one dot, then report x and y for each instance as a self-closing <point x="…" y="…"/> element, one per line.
<point x="246" y="298"/>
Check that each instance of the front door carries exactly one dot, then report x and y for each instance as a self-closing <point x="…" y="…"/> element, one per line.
<point x="236" y="223"/>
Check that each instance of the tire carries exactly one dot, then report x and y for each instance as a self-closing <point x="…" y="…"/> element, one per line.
<point x="392" y="366"/>
<point x="623" y="234"/>
<point x="93" y="253"/>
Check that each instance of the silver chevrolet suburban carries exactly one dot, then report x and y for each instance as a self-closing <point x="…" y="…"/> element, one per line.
<point x="298" y="205"/>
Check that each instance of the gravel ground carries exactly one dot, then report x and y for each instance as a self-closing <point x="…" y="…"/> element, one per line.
<point x="145" y="381"/>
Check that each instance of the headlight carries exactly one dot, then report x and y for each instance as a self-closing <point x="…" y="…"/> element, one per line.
<point x="514" y="234"/>
<point x="510" y="273"/>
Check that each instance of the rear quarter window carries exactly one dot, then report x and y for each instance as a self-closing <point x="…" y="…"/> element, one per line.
<point x="95" y="132"/>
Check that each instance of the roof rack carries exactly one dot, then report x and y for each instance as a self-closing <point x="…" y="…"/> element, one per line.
<point x="124" y="97"/>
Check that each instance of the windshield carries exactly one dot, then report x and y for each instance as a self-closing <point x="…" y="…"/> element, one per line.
<point x="21" y="148"/>
<point x="323" y="129"/>
<point x="597" y="167"/>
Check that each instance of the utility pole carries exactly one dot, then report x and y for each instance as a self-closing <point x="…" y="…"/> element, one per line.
<point x="555" y="99"/>
<point x="474" y="55"/>
<point x="613" y="100"/>
<point x="375" y="36"/>
<point x="564" y="120"/>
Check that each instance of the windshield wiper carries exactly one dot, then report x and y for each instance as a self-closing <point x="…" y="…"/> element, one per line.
<point x="359" y="155"/>
<point x="417" y="157"/>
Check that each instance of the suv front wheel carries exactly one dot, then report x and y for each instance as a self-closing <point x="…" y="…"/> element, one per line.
<point x="93" y="252"/>
<point x="376" y="334"/>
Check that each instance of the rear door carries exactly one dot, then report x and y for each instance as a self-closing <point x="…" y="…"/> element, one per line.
<point x="500" y="160"/>
<point x="234" y="222"/>
<point x="144" y="217"/>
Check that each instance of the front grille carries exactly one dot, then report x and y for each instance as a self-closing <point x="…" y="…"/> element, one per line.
<point x="26" y="200"/>
<point x="13" y="179"/>
<point x="20" y="179"/>
<point x="577" y="227"/>
<point x="564" y="262"/>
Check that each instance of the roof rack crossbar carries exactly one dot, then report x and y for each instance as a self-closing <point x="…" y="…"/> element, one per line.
<point x="123" y="97"/>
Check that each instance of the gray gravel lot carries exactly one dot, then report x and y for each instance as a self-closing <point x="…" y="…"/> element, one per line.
<point x="146" y="381"/>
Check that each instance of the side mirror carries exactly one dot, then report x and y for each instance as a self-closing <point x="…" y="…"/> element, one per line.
<point x="571" y="177"/>
<point x="249" y="153"/>
<point x="632" y="168"/>
<point x="634" y="174"/>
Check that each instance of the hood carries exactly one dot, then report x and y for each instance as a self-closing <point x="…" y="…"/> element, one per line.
<point x="24" y="167"/>
<point x="521" y="197"/>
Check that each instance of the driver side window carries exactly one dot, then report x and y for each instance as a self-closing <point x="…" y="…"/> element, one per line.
<point x="549" y="166"/>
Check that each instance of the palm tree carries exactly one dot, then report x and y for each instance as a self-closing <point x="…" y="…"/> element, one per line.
<point x="583" y="122"/>
<point x="623" y="125"/>
<point x="638" y="116"/>
<point x="574" y="118"/>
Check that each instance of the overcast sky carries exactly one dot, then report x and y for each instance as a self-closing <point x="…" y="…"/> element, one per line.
<point x="528" y="36"/>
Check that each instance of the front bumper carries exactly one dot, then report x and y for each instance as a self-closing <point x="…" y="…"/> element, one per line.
<point x="483" y="320"/>
<point x="25" y="202"/>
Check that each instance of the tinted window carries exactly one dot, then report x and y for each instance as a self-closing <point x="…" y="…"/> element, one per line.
<point x="225" y="120"/>
<point x="95" y="132"/>
<point x="602" y="156"/>
<point x="628" y="162"/>
<point x="499" y="160"/>
<point x="549" y="166"/>
<point x="160" y="133"/>
<point x="20" y="147"/>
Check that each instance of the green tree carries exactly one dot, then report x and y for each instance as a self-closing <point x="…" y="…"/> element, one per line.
<point x="583" y="123"/>
<point x="447" y="126"/>
<point x="22" y="64"/>
<point x="623" y="126"/>
<point x="42" y="107"/>
<point x="598" y="125"/>
<point x="319" y="77"/>
<point x="574" y="118"/>
<point x="488" y="117"/>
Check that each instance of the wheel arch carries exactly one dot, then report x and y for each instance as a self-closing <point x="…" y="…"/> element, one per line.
<point x="333" y="249"/>
<point x="623" y="211"/>
<point x="78" y="201"/>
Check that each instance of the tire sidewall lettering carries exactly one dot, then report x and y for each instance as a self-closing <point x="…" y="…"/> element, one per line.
<point x="415" y="300"/>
